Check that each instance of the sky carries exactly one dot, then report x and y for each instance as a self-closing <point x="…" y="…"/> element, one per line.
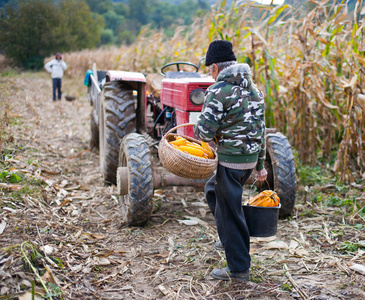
<point x="269" y="1"/>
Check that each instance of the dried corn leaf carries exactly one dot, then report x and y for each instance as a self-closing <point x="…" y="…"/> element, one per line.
<point x="29" y="296"/>
<point x="2" y="226"/>
<point x="358" y="268"/>
<point x="101" y="261"/>
<point x="275" y="245"/>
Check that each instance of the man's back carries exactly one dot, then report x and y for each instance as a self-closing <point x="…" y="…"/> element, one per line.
<point x="234" y="113"/>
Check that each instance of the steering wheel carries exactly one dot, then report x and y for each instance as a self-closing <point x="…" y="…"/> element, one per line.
<point x="178" y="66"/>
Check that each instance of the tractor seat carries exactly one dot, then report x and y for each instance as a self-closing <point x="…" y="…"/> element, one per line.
<point x="153" y="84"/>
<point x="101" y="75"/>
<point x="182" y="75"/>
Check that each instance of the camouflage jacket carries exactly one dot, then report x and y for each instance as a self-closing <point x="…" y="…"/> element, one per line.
<point x="234" y="115"/>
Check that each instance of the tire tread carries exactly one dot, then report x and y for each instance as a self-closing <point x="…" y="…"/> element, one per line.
<point x="119" y="120"/>
<point x="135" y="148"/>
<point x="284" y="171"/>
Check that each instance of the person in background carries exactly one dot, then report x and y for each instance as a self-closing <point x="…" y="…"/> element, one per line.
<point x="56" y="67"/>
<point x="233" y="115"/>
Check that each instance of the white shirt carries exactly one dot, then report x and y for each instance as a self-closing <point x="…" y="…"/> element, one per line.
<point x="56" y="68"/>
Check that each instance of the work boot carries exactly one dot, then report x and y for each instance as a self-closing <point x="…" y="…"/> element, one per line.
<point x="226" y="274"/>
<point x="219" y="246"/>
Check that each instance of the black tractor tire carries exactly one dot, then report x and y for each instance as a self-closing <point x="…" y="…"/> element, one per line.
<point x="117" y="118"/>
<point x="280" y="167"/>
<point x="137" y="205"/>
<point x="94" y="133"/>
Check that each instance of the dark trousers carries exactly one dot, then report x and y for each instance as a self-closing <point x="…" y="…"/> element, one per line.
<point x="57" y="83"/>
<point x="224" y="196"/>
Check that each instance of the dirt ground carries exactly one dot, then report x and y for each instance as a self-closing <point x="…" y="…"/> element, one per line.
<point x="59" y="221"/>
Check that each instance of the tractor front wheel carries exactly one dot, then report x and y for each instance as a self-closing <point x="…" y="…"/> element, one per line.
<point x="134" y="180"/>
<point x="94" y="133"/>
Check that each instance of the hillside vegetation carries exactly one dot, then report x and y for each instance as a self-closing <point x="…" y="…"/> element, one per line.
<point x="31" y="30"/>
<point x="124" y="19"/>
<point x="34" y="29"/>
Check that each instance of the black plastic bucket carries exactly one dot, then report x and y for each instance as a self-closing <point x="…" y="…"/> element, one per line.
<point x="261" y="221"/>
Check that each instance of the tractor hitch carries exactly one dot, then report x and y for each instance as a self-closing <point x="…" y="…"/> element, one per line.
<point x="161" y="178"/>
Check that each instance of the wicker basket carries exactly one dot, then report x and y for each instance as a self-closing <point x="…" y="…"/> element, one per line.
<point x="183" y="164"/>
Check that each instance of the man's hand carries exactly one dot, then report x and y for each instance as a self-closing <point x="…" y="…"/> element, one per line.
<point x="261" y="175"/>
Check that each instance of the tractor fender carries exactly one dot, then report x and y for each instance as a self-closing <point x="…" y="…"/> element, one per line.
<point x="125" y="76"/>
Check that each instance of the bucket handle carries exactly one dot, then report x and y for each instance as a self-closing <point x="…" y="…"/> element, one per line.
<point x="251" y="188"/>
<point x="178" y="126"/>
<point x="249" y="192"/>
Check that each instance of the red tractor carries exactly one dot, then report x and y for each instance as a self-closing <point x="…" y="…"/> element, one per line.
<point x="131" y="112"/>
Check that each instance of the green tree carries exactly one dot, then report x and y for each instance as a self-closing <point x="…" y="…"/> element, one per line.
<point x="125" y="37"/>
<point x="80" y="28"/>
<point x="112" y="20"/>
<point x="121" y="9"/>
<point x="139" y="11"/>
<point x="27" y="31"/>
<point x="33" y="29"/>
<point x="127" y="32"/>
<point x="187" y="10"/>
<point x="107" y="37"/>
<point x="163" y="14"/>
<point x="3" y="2"/>
<point x="100" y="6"/>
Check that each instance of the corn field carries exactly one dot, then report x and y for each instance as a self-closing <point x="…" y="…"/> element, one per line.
<point x="310" y="66"/>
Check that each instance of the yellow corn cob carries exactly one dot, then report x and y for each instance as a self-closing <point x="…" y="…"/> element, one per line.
<point x="195" y="149"/>
<point x="265" y="199"/>
<point x="176" y="147"/>
<point x="179" y="142"/>
<point x="206" y="147"/>
<point x="192" y="150"/>
<point x="197" y="146"/>
<point x="194" y="145"/>
<point x="259" y="197"/>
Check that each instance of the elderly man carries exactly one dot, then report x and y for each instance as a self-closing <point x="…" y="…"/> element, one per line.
<point x="233" y="115"/>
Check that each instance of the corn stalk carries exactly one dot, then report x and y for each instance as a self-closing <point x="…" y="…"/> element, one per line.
<point x="305" y="62"/>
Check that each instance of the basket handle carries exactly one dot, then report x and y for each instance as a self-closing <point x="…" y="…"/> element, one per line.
<point x="178" y="126"/>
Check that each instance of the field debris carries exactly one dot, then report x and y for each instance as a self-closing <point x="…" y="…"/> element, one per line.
<point x="61" y="233"/>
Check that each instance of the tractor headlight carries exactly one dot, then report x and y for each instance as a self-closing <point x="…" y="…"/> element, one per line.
<point x="197" y="96"/>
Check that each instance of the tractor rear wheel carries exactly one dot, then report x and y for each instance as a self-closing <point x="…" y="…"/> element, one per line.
<point x="135" y="159"/>
<point x="94" y="133"/>
<point x="280" y="167"/>
<point x="117" y="118"/>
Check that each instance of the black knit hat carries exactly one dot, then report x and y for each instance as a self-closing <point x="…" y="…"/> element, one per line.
<point x="219" y="51"/>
